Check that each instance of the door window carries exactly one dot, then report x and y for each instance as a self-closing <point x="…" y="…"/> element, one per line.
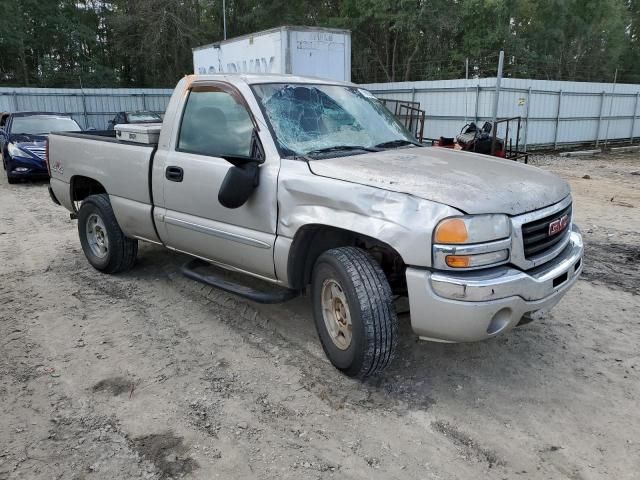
<point x="215" y="123"/>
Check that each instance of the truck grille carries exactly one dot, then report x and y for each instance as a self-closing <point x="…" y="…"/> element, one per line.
<point x="537" y="236"/>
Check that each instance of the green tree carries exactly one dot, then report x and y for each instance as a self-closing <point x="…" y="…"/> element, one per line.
<point x="149" y="42"/>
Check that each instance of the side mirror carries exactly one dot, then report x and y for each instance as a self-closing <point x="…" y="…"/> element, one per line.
<point x="243" y="178"/>
<point x="238" y="184"/>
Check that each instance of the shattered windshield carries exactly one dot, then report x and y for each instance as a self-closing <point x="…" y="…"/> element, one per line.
<point x="309" y="119"/>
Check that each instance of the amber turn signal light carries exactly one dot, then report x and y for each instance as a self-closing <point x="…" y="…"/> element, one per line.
<point x="458" y="261"/>
<point x="452" y="230"/>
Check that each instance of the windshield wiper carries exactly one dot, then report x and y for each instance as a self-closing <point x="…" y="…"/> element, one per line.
<point x="398" y="143"/>
<point x="342" y="148"/>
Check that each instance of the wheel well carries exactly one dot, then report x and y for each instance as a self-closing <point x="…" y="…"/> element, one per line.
<point x="82" y="187"/>
<point x="311" y="241"/>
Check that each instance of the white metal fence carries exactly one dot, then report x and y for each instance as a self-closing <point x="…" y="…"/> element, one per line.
<point x="90" y="107"/>
<point x="554" y="113"/>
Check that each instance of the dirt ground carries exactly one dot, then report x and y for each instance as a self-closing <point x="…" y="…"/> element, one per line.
<point x="149" y="375"/>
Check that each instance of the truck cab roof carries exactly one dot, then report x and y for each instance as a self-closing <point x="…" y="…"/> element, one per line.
<point x="257" y="78"/>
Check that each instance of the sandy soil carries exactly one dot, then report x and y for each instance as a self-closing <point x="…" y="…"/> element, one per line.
<point x="149" y="375"/>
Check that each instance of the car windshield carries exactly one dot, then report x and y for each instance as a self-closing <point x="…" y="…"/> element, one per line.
<point x="43" y="125"/>
<point x="143" y="117"/>
<point x="309" y="119"/>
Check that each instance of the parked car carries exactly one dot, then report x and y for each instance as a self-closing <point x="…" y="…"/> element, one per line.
<point x="314" y="185"/>
<point x="22" y="142"/>
<point x="122" y="118"/>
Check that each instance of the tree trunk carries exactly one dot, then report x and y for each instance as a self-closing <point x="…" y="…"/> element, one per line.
<point x="407" y="71"/>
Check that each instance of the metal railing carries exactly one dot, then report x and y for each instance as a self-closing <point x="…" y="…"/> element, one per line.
<point x="409" y="114"/>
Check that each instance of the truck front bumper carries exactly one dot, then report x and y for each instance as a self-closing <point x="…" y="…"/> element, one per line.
<point x="472" y="306"/>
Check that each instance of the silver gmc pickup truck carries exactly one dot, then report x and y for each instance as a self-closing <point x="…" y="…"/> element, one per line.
<point x="313" y="186"/>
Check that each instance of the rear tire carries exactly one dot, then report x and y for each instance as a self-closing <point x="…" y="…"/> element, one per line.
<point x="353" y="311"/>
<point x="102" y="240"/>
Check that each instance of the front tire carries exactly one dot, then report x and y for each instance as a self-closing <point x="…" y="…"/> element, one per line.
<point x="102" y="240"/>
<point x="353" y="311"/>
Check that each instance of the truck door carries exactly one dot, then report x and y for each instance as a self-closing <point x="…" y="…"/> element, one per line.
<point x="216" y="123"/>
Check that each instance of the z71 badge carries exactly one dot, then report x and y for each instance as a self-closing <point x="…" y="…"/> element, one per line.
<point x="57" y="167"/>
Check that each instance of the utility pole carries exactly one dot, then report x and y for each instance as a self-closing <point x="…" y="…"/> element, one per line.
<point x="496" y="97"/>
<point x="224" y="18"/>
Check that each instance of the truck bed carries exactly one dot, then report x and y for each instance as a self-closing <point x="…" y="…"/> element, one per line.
<point x="122" y="168"/>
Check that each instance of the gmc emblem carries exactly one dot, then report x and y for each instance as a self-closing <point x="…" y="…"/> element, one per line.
<point x="558" y="225"/>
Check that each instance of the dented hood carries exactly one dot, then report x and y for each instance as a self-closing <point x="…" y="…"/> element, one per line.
<point x="467" y="181"/>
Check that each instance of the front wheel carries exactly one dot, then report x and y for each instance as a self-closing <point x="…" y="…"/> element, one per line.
<point x="353" y="311"/>
<point x="102" y="240"/>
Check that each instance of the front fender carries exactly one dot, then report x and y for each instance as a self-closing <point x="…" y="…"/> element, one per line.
<point x="402" y="221"/>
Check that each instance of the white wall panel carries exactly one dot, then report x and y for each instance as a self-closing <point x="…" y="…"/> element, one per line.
<point x="445" y="102"/>
<point x="584" y="111"/>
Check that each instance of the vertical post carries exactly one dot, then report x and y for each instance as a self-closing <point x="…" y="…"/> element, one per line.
<point x="477" y="101"/>
<point x="600" y="117"/>
<point x="526" y="120"/>
<point x="555" y="138"/>
<point x="413" y="94"/>
<point x="84" y="109"/>
<point x="633" y="120"/>
<point x="15" y="101"/>
<point x="496" y="102"/>
<point x="144" y="101"/>
<point x="224" y="18"/>
<point x="613" y="92"/>
<point x="466" y="84"/>
<point x="506" y="139"/>
<point x="496" y="97"/>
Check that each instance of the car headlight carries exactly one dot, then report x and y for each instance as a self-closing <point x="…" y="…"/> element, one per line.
<point x="472" y="241"/>
<point x="16" y="151"/>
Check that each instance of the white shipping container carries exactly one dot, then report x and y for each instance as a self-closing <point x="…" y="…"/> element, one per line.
<point x="311" y="51"/>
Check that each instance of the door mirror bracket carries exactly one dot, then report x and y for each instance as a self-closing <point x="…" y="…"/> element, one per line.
<point x="242" y="179"/>
<point x="256" y="152"/>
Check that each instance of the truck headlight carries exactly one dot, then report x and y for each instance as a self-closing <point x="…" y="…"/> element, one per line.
<point x="472" y="229"/>
<point x="472" y="241"/>
<point x="16" y="151"/>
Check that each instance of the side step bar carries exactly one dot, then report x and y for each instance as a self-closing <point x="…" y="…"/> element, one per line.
<point x="274" y="294"/>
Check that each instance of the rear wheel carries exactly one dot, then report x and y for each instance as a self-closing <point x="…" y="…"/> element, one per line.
<point x="354" y="312"/>
<point x="102" y="240"/>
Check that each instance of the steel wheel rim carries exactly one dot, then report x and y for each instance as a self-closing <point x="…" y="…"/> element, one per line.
<point x="97" y="237"/>
<point x="336" y="315"/>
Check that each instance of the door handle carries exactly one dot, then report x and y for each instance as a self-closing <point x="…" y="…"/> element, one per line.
<point x="174" y="174"/>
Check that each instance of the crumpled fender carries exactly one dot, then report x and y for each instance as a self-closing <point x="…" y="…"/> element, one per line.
<point x="402" y="221"/>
